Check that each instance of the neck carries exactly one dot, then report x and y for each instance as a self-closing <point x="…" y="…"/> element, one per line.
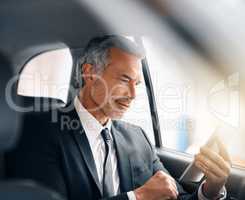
<point x="93" y="108"/>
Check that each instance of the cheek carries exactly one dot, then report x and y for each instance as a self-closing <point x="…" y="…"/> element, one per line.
<point x="119" y="91"/>
<point x="99" y="92"/>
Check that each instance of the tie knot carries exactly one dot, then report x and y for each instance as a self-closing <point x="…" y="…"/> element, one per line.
<point x="105" y="135"/>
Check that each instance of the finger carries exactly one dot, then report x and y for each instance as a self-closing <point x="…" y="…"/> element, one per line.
<point x="172" y="180"/>
<point x="223" y="151"/>
<point x="173" y="193"/>
<point x="170" y="194"/>
<point x="173" y="186"/>
<point x="167" y="176"/>
<point x="169" y="180"/>
<point x="211" y="175"/>
<point x="200" y="166"/>
<point x="216" y="158"/>
<point x="216" y="171"/>
<point x="211" y="166"/>
<point x="167" y="198"/>
<point x="208" y="174"/>
<point x="173" y="183"/>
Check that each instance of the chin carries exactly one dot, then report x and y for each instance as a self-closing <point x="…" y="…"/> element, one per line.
<point x="117" y="115"/>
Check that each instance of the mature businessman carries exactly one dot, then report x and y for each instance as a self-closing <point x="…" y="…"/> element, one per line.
<point x="89" y="154"/>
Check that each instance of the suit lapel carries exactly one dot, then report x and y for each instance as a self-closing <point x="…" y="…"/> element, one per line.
<point x="84" y="147"/>
<point x="124" y="165"/>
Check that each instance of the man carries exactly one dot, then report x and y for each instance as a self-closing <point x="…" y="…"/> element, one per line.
<point x="88" y="154"/>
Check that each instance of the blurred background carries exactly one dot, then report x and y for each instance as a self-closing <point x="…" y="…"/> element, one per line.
<point x="195" y="54"/>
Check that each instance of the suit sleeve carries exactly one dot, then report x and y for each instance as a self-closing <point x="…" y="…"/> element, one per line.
<point x="157" y="165"/>
<point x="36" y="156"/>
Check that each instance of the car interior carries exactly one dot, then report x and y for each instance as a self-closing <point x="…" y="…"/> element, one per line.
<point x="29" y="29"/>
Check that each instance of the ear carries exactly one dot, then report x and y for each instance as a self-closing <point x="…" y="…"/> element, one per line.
<point x="87" y="72"/>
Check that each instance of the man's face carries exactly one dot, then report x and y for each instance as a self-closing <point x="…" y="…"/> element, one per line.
<point x="114" y="89"/>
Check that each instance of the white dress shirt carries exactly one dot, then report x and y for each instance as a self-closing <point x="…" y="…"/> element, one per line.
<point x="92" y="129"/>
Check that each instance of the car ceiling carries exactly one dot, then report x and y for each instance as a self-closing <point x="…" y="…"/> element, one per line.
<point x="30" y="27"/>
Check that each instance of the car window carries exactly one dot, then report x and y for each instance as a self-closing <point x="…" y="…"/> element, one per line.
<point x="194" y="99"/>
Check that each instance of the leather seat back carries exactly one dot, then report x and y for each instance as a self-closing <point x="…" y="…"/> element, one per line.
<point x="9" y="125"/>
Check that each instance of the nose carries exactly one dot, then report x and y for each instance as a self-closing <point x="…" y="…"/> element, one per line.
<point x="132" y="91"/>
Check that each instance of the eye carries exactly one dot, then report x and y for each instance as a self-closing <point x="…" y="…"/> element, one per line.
<point x="124" y="80"/>
<point x="138" y="83"/>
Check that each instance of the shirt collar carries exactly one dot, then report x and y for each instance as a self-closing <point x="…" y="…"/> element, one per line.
<point x="91" y="125"/>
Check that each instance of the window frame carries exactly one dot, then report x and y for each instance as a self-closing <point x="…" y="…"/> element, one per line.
<point x="151" y="97"/>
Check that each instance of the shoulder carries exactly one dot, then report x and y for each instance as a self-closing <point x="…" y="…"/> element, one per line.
<point x="45" y="125"/>
<point x="131" y="131"/>
<point x="134" y="138"/>
<point x="126" y="127"/>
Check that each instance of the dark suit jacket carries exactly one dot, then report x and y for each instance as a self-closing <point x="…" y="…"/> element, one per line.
<point x="58" y="155"/>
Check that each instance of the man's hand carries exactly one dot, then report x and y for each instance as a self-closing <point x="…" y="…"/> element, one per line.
<point x="161" y="186"/>
<point x="216" y="168"/>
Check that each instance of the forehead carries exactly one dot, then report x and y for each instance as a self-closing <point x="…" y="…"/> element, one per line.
<point x="122" y="61"/>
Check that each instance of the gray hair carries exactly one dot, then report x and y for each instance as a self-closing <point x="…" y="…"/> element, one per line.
<point x="96" y="52"/>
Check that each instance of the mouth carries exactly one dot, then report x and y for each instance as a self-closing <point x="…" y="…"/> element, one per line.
<point x="123" y="106"/>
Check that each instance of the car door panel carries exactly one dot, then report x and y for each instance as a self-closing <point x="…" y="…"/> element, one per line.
<point x="176" y="163"/>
